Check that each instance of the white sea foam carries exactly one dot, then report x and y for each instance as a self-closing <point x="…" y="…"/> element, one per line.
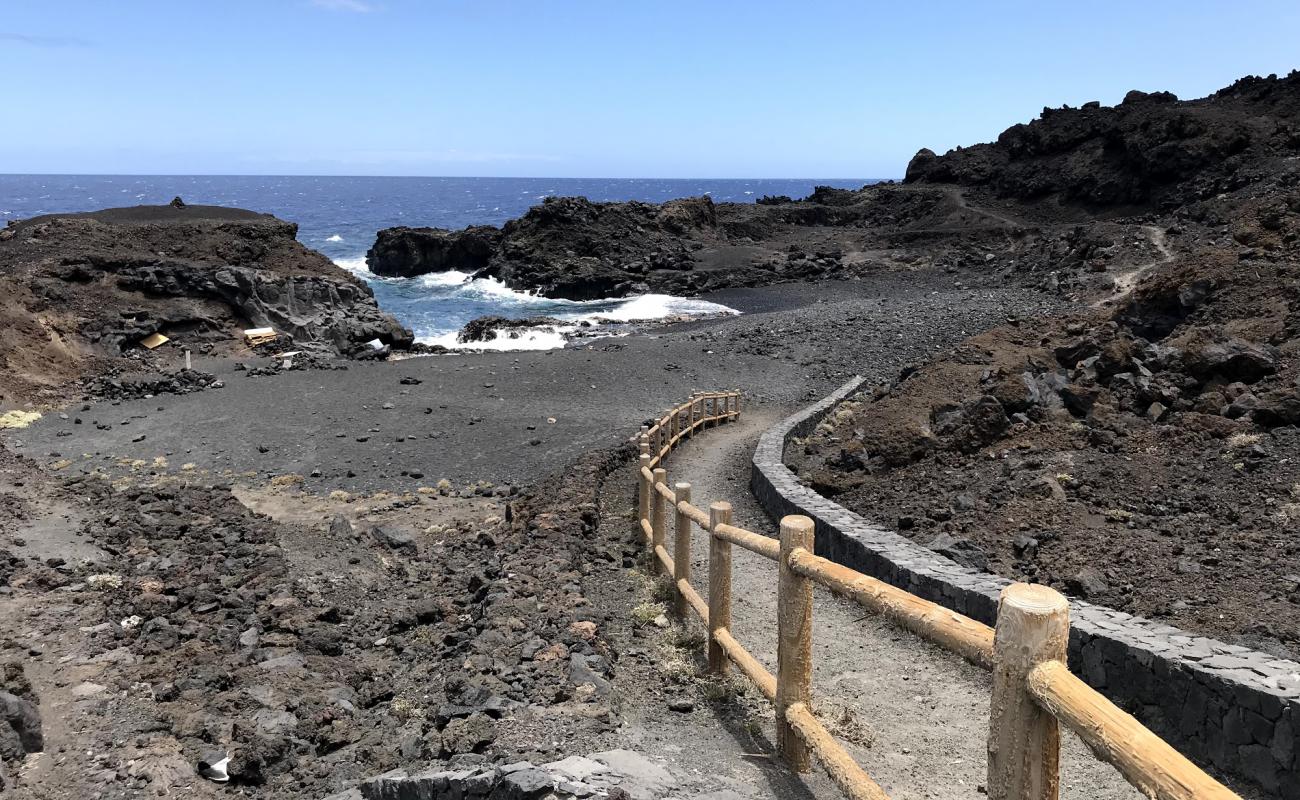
<point x="648" y="307"/>
<point x="335" y="238"/>
<point x="544" y="338"/>
<point x="453" y="287"/>
<point x="448" y="278"/>
<point x="356" y="265"/>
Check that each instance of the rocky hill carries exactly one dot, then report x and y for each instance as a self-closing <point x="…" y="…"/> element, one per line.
<point x="1151" y="152"/>
<point x="1138" y="452"/>
<point x="82" y="290"/>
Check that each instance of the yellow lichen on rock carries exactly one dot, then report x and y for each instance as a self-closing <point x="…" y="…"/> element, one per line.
<point x="18" y="419"/>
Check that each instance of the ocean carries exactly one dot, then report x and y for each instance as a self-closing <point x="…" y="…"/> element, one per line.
<point x="339" y="216"/>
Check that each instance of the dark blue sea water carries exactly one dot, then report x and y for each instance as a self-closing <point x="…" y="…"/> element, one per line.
<point x="340" y="215"/>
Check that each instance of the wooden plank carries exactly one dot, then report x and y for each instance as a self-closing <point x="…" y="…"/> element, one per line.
<point x="768" y="548"/>
<point x="719" y="586"/>
<point x="1024" y="739"/>
<point x="793" y="640"/>
<point x="696" y="515"/>
<point x="659" y="516"/>
<point x="842" y="769"/>
<point x="694" y="601"/>
<point x="643" y="481"/>
<point x="1144" y="759"/>
<point x="665" y="560"/>
<point x="764" y="680"/>
<point x="682" y="547"/>
<point x="962" y="635"/>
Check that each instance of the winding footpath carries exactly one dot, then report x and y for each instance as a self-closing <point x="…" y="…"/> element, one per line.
<point x="924" y="711"/>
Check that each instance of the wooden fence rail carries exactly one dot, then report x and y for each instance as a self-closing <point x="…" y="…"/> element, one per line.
<point x="1033" y="690"/>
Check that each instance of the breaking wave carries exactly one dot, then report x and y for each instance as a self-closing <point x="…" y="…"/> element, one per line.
<point x="437" y="305"/>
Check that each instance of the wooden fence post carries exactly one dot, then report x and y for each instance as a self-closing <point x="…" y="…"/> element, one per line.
<point x="1024" y="740"/>
<point x="719" y="586"/>
<point x="690" y="418"/>
<point x="659" y="520"/>
<point x="794" y="641"/>
<point x="643" y="494"/>
<point x="682" y="550"/>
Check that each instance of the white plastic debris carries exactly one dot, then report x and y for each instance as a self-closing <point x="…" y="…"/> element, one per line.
<point x="213" y="767"/>
<point x="131" y="622"/>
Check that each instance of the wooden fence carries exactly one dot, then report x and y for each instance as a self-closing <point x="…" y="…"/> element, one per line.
<point x="1033" y="690"/>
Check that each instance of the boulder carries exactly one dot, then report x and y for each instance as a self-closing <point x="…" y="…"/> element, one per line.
<point x="1276" y="408"/>
<point x="1088" y="582"/>
<point x="24" y="720"/>
<point x="404" y="252"/>
<point x="1233" y="359"/>
<point x="486" y="329"/>
<point x="963" y="551"/>
<point x="394" y="539"/>
<point x="468" y="734"/>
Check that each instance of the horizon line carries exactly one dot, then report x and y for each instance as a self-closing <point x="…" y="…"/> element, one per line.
<point x="429" y="177"/>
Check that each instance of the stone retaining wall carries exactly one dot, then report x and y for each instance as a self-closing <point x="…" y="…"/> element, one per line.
<point x="1222" y="705"/>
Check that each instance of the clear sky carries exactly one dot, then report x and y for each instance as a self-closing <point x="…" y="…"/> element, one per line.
<point x="584" y="88"/>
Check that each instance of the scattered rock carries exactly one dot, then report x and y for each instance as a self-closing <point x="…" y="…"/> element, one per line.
<point x="963" y="551"/>
<point x="394" y="539"/>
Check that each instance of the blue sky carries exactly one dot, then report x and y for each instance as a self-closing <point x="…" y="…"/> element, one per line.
<point x="583" y="88"/>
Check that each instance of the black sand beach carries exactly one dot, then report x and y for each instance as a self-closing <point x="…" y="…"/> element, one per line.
<point x="483" y="417"/>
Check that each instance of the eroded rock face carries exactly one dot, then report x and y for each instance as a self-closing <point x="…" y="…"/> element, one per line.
<point x="308" y="308"/>
<point x="96" y="284"/>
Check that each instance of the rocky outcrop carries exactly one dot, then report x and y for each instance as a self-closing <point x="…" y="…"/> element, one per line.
<point x="404" y="252"/>
<point x="572" y="248"/>
<point x="1151" y="150"/>
<point x="83" y="288"/>
<point x="308" y="308"/>
<point x="566" y="247"/>
<point x="486" y="329"/>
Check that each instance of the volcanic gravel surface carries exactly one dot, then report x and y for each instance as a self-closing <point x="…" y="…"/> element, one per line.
<point x="326" y="574"/>
<point x="510" y="418"/>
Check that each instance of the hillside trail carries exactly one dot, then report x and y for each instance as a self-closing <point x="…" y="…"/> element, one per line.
<point x="1126" y="281"/>
<point x="914" y="716"/>
<point x="959" y="197"/>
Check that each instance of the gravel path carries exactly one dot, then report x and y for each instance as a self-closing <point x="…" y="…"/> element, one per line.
<point x="923" y="711"/>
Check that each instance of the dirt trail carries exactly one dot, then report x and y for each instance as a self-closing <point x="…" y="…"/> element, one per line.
<point x="923" y="711"/>
<point x="1125" y="282"/>
<point x="959" y="197"/>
